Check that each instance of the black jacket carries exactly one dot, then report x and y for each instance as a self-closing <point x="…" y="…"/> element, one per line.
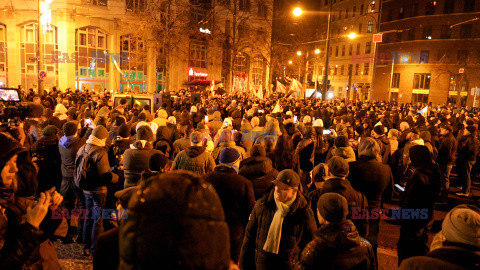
<point x="354" y="198"/>
<point x="385" y="147"/>
<point x="136" y="160"/>
<point x="46" y="155"/>
<point x="194" y="159"/>
<point x="373" y="179"/>
<point x="236" y="194"/>
<point x="260" y="172"/>
<point x="68" y="148"/>
<point x="338" y="246"/>
<point x="447" y="149"/>
<point x="467" y="148"/>
<point x="297" y="230"/>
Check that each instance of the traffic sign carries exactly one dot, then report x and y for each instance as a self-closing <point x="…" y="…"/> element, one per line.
<point x="461" y="70"/>
<point x="42" y="74"/>
<point x="377" y="37"/>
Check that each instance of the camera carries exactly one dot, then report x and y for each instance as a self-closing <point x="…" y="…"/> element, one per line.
<point x="14" y="110"/>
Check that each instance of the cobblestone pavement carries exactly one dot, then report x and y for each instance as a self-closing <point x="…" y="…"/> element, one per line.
<point x="71" y="257"/>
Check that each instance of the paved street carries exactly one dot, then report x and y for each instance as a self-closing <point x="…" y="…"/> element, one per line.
<point x="71" y="255"/>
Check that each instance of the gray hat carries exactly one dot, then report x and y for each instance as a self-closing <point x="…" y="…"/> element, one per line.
<point x="196" y="137"/>
<point x="368" y="147"/>
<point x="462" y="225"/>
<point x="287" y="178"/>
<point x="338" y="166"/>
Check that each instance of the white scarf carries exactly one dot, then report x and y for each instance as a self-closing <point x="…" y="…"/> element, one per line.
<point x="272" y="244"/>
<point x="96" y="141"/>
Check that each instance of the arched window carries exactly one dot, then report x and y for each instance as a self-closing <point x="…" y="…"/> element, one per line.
<point x="29" y="58"/>
<point x="92" y="65"/>
<point x="135" y="68"/>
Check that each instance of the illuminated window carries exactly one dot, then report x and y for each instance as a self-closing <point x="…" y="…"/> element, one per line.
<point x="395" y="80"/>
<point x="421" y="81"/>
<point x="91" y="49"/>
<point x="370" y="27"/>
<point x="3" y="49"/>
<point x="28" y="56"/>
<point x="240" y="64"/>
<point x="197" y="56"/>
<point x="134" y="48"/>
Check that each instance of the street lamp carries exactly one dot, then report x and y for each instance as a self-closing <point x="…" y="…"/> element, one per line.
<point x="290" y="62"/>
<point x="297" y="11"/>
<point x="299" y="53"/>
<point x="317" y="51"/>
<point x="352" y="35"/>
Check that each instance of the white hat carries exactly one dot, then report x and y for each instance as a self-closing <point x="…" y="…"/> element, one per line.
<point x="462" y="225"/>
<point x="307" y="119"/>
<point x="289" y="113"/>
<point x="318" y="123"/>
<point x="172" y="120"/>
<point x="227" y="122"/>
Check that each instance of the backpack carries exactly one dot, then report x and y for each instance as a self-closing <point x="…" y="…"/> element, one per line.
<point x="84" y="175"/>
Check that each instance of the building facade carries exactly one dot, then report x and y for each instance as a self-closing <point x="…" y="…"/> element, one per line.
<point x="430" y="52"/>
<point x="137" y="45"/>
<point x="352" y="48"/>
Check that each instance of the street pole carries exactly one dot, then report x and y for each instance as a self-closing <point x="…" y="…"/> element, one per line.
<point x="40" y="83"/>
<point x="375" y="45"/>
<point x="350" y="92"/>
<point x="304" y="86"/>
<point x="327" y="53"/>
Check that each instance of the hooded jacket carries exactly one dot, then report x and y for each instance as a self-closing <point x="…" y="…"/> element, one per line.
<point x="136" y="160"/>
<point x="216" y="152"/>
<point x="298" y="229"/>
<point x="68" y="148"/>
<point x="260" y="172"/>
<point x="194" y="159"/>
<point x="447" y="149"/>
<point x="385" y="150"/>
<point x="46" y="155"/>
<point x="338" y="246"/>
<point x="345" y="152"/>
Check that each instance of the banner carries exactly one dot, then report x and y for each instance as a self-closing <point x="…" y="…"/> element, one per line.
<point x="260" y="93"/>
<point x="280" y="88"/>
<point x="277" y="107"/>
<point x="295" y="86"/>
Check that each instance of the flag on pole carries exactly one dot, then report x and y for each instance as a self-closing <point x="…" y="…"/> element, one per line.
<point x="295" y="86"/>
<point x="423" y="111"/>
<point x="280" y="88"/>
<point x="260" y="93"/>
<point x="277" y="107"/>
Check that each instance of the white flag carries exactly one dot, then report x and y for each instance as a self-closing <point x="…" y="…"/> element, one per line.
<point x="277" y="107"/>
<point x="280" y="88"/>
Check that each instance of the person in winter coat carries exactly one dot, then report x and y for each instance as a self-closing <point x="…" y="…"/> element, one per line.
<point x="226" y="140"/>
<point x="183" y="143"/>
<point x="99" y="176"/>
<point x="466" y="157"/>
<point x="461" y="246"/>
<point x="280" y="226"/>
<point x="197" y="238"/>
<point x="194" y="159"/>
<point x="161" y="119"/>
<point x="236" y="194"/>
<point x="135" y="159"/>
<point x="378" y="133"/>
<point x="337" y="182"/>
<point x="68" y="147"/>
<point x="259" y="170"/>
<point x="420" y="194"/>
<point x="393" y="138"/>
<point x="25" y="225"/>
<point x="216" y="123"/>
<point x="305" y="153"/>
<point x="446" y="157"/>
<point x="373" y="179"/>
<point x="46" y="157"/>
<point x="342" y="149"/>
<point x="337" y="244"/>
<point x="247" y="135"/>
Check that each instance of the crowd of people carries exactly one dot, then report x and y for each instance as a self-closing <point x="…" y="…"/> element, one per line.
<point x="234" y="182"/>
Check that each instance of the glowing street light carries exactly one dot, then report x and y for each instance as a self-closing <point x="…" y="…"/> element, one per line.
<point x="290" y="62"/>
<point x="317" y="51"/>
<point x="297" y="11"/>
<point x="299" y="53"/>
<point x="352" y="35"/>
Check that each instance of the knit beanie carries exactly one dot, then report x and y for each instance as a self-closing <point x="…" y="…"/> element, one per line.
<point x="69" y="129"/>
<point x="8" y="148"/>
<point x="49" y="130"/>
<point x="100" y="132"/>
<point x="379" y="129"/>
<point x="338" y="166"/>
<point x="462" y="225"/>
<point x="144" y="133"/>
<point x="333" y="207"/>
<point x="124" y="131"/>
<point x="229" y="155"/>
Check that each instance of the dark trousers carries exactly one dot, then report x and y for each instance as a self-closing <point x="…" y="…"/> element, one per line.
<point x="465" y="169"/>
<point x="72" y="193"/>
<point x="93" y="224"/>
<point x="412" y="242"/>
<point x="372" y="236"/>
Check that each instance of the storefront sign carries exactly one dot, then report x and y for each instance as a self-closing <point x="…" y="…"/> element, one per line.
<point x="191" y="72"/>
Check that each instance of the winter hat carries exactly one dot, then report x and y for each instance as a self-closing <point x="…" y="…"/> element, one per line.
<point x="420" y="156"/>
<point x="471" y="129"/>
<point x="393" y="133"/>
<point x="338" y="166"/>
<point x="49" y="130"/>
<point x="307" y="119"/>
<point x="229" y="155"/>
<point x="462" y="225"/>
<point x="145" y="133"/>
<point x="69" y="129"/>
<point x="8" y="148"/>
<point x="227" y="122"/>
<point x="368" y="147"/>
<point x="333" y="207"/>
<point x="141" y="124"/>
<point x="318" y="123"/>
<point x="162" y="114"/>
<point x="193" y="109"/>
<point x="100" y="132"/>
<point x="157" y="162"/>
<point x="288" y="178"/>
<point x="172" y="120"/>
<point x="196" y="137"/>
<point x="124" y="131"/>
<point x="379" y="129"/>
<point x="258" y="151"/>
